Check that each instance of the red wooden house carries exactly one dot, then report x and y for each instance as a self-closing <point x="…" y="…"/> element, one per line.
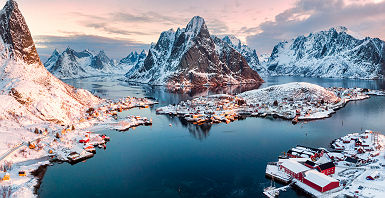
<point x="327" y="168"/>
<point x="293" y="168"/>
<point x="319" y="181"/>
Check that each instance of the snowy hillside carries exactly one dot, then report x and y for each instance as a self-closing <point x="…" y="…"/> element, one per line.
<point x="72" y="64"/>
<point x="29" y="93"/>
<point x="332" y="54"/>
<point x="298" y="91"/>
<point x="191" y="57"/>
<point x="249" y="54"/>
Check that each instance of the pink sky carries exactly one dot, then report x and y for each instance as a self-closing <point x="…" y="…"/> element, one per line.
<point x="141" y="21"/>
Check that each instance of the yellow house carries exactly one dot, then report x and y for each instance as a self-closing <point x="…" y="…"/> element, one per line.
<point x="32" y="146"/>
<point x="5" y="176"/>
<point x="22" y="173"/>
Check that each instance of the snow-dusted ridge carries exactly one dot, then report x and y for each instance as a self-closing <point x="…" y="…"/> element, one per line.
<point x="330" y="54"/>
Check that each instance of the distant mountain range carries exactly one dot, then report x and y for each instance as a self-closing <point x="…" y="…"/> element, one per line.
<point x="73" y="64"/>
<point x="334" y="53"/>
<point x="192" y="57"/>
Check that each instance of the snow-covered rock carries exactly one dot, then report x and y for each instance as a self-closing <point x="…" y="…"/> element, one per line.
<point x="28" y="92"/>
<point x="249" y="54"/>
<point x="333" y="54"/>
<point x="191" y="57"/>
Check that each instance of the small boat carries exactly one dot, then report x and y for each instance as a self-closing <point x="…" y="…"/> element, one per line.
<point x="90" y="148"/>
<point x="271" y="191"/>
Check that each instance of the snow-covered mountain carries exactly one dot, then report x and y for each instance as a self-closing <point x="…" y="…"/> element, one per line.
<point x="191" y="57"/>
<point x="28" y="92"/>
<point x="249" y="54"/>
<point x="333" y="54"/>
<point x="73" y="64"/>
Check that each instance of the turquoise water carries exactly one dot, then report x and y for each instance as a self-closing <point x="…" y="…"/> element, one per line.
<point x="223" y="160"/>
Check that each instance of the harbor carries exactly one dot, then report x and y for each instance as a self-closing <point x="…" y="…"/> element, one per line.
<point x="353" y="167"/>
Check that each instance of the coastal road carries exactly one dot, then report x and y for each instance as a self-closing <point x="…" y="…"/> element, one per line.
<point x="2" y="157"/>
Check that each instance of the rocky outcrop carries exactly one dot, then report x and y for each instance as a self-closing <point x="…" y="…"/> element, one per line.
<point x="191" y="57"/>
<point x="15" y="33"/>
<point x="30" y="94"/>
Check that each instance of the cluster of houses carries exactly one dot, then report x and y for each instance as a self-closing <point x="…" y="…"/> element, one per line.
<point x="111" y="108"/>
<point x="211" y="109"/>
<point x="315" y="168"/>
<point x="310" y="166"/>
<point x="226" y="108"/>
<point x="357" y="149"/>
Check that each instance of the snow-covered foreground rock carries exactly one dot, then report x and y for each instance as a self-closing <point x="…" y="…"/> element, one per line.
<point x="331" y="54"/>
<point x="191" y="57"/>
<point x="293" y="101"/>
<point x="355" y="164"/>
<point x="72" y="64"/>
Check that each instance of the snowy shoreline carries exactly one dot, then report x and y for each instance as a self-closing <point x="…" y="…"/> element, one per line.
<point x="46" y="143"/>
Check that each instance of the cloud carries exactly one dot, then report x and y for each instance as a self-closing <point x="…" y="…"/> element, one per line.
<point x="366" y="18"/>
<point x="114" y="48"/>
<point x="114" y="21"/>
<point x="110" y="29"/>
<point x="217" y="27"/>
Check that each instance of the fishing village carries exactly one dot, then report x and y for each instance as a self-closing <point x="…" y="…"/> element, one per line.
<point x="293" y="101"/>
<point x="66" y="143"/>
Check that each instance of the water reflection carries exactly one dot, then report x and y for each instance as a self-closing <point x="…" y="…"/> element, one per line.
<point x="205" y="91"/>
<point x="116" y="87"/>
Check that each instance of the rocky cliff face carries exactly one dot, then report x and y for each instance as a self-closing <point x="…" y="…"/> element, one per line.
<point x="16" y="35"/>
<point x="28" y="91"/>
<point x="334" y="54"/>
<point x="249" y="54"/>
<point x="191" y="57"/>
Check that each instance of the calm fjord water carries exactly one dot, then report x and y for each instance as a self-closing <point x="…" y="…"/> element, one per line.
<point x="223" y="160"/>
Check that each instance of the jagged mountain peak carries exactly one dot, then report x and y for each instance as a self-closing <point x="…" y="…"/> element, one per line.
<point x="339" y="29"/>
<point x="195" y="25"/>
<point x="55" y="52"/>
<point x="231" y="39"/>
<point x="15" y="33"/>
<point x="192" y="57"/>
